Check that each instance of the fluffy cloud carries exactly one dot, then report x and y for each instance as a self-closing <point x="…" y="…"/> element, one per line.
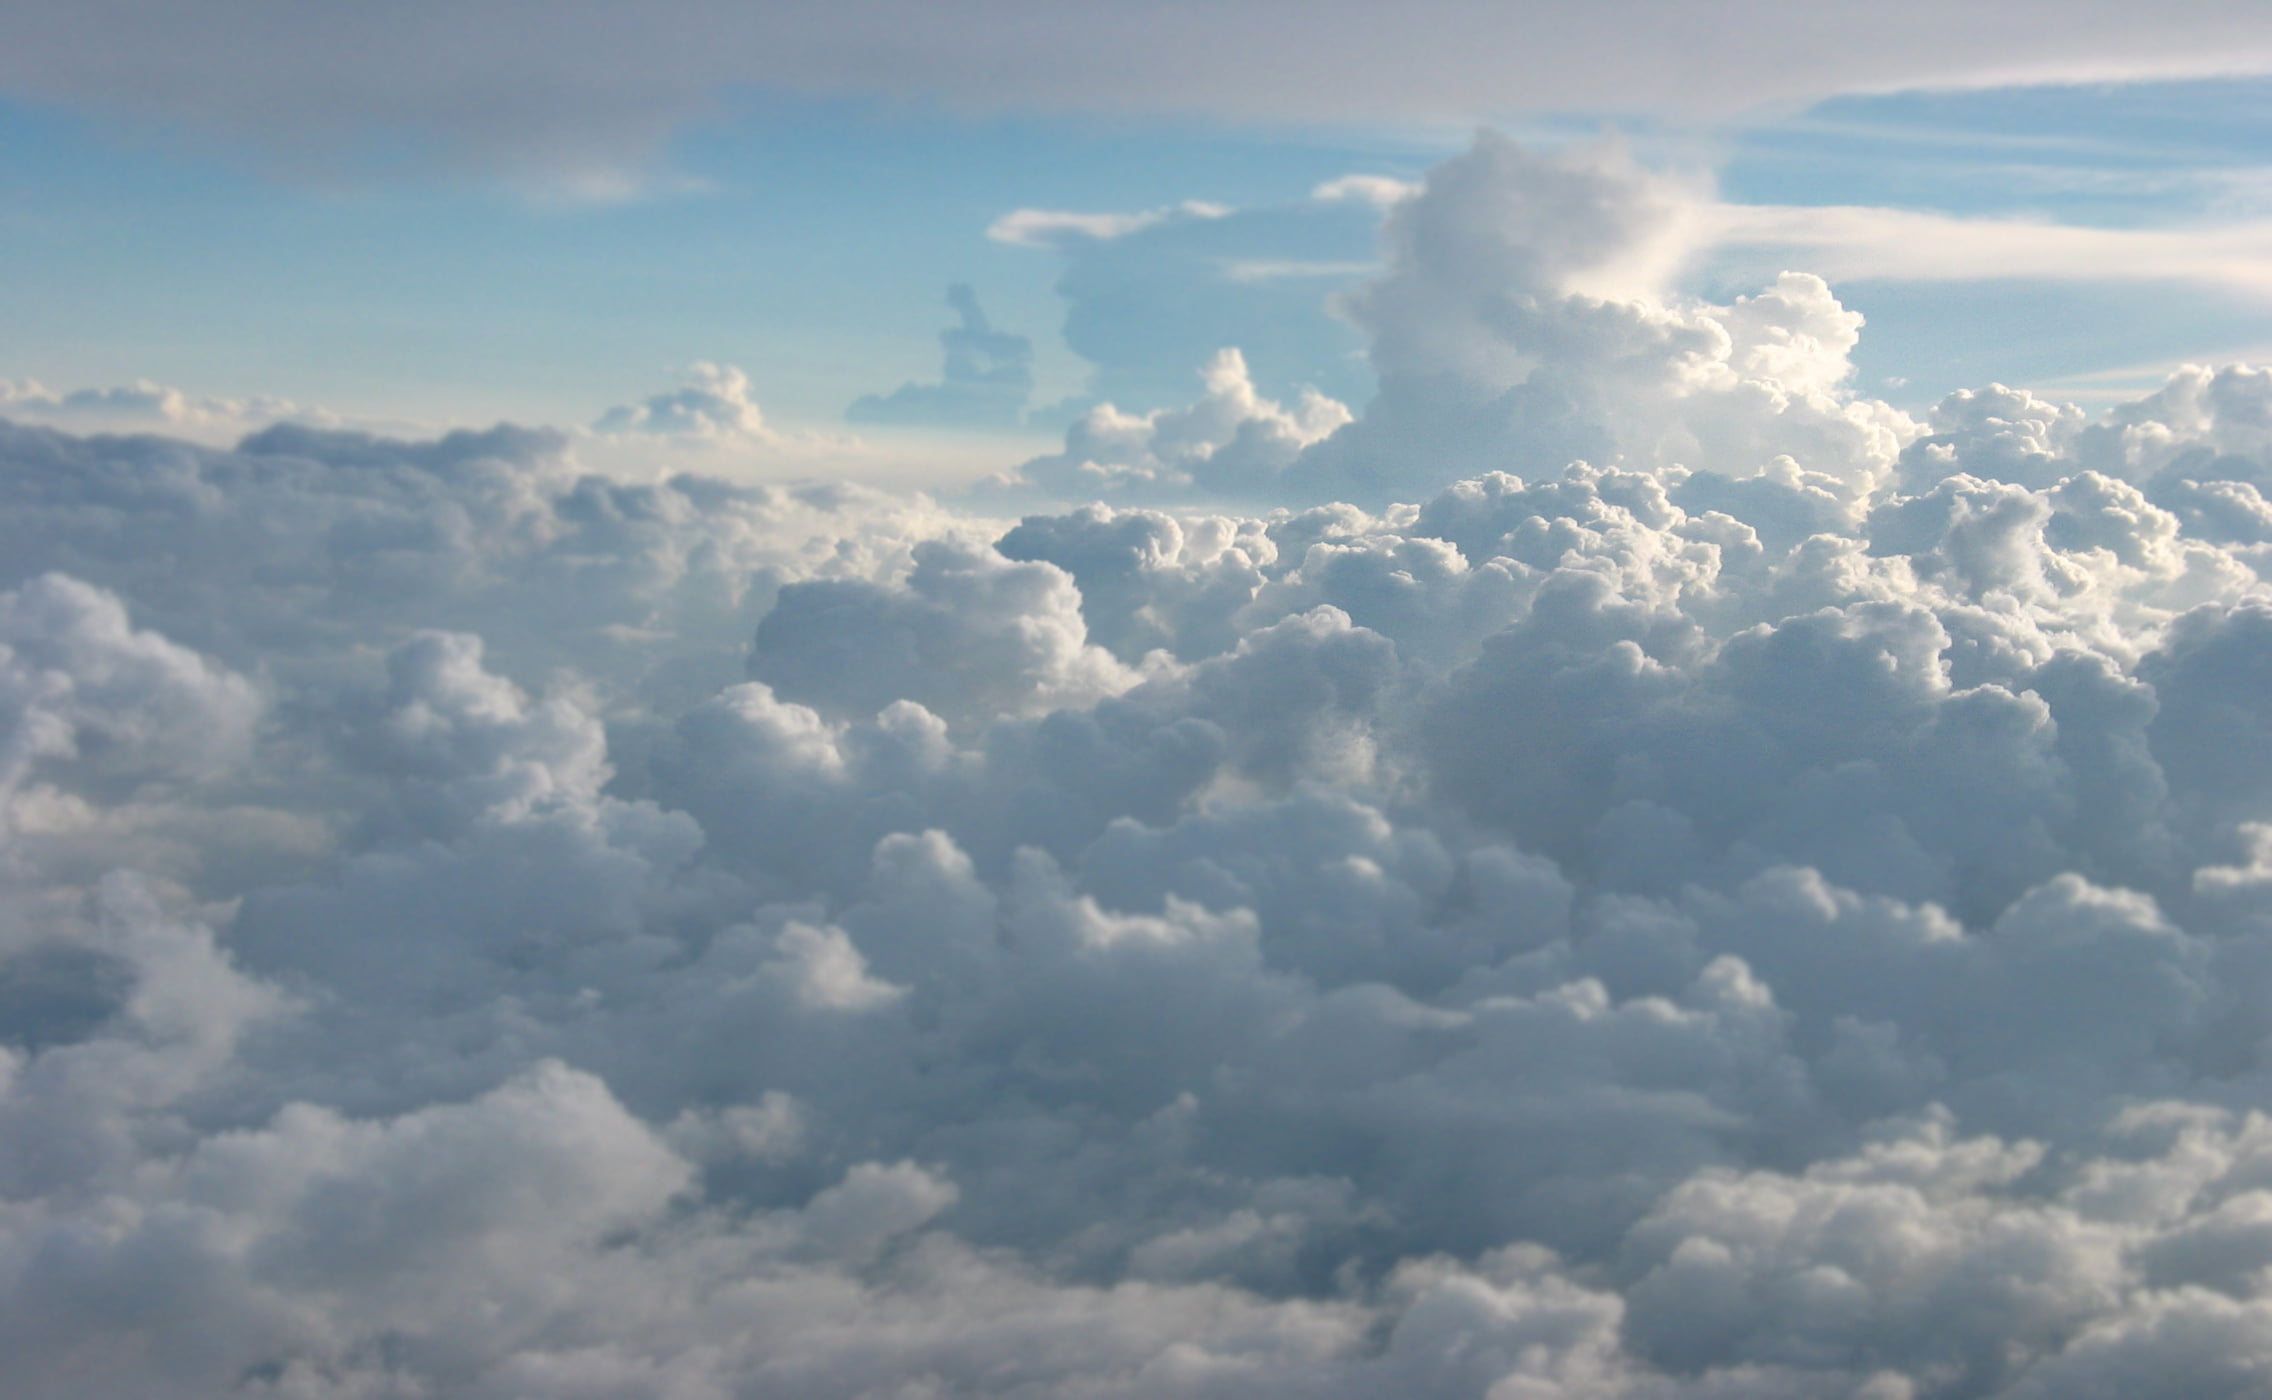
<point x="1779" y="907"/>
<point x="967" y="633"/>
<point x="715" y="404"/>
<point x="1231" y="442"/>
<point x="1522" y="322"/>
<point x="144" y="406"/>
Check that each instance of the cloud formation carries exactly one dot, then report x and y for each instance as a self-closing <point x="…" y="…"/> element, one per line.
<point x="1853" y="242"/>
<point x="1525" y="318"/>
<point x="1052" y="228"/>
<point x="598" y="90"/>
<point x="714" y="406"/>
<point x="1775" y="906"/>
<point x="146" y="406"/>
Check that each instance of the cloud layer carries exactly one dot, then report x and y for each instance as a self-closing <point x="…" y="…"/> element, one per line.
<point x="1669" y="880"/>
<point x="593" y="90"/>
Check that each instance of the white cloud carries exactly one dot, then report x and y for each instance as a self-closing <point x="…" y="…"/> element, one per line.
<point x="1849" y="242"/>
<point x="714" y="405"/>
<point x="1524" y="318"/>
<point x="144" y="406"/>
<point x="713" y="421"/>
<point x="1380" y="191"/>
<point x="1278" y="269"/>
<point x="1232" y="440"/>
<point x="1778" y="909"/>
<point x="969" y="635"/>
<point x="1048" y="228"/>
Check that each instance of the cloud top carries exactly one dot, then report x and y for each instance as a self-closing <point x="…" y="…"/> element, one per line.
<point x="1773" y="904"/>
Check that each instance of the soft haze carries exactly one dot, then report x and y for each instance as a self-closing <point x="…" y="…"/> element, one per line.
<point x="1135" y="701"/>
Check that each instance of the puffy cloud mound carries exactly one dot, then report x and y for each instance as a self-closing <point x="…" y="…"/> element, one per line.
<point x="714" y="405"/>
<point x="1522" y="322"/>
<point x="1780" y="906"/>
<point x="1231" y="441"/>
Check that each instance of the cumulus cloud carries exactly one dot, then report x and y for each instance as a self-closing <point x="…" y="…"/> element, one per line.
<point x="967" y="633"/>
<point x="1232" y="441"/>
<point x="715" y="405"/>
<point x="145" y="406"/>
<point x="1786" y="916"/>
<point x="711" y="419"/>
<point x="1523" y="320"/>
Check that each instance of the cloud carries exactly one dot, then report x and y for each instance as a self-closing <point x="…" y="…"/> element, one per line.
<point x="714" y="418"/>
<point x="1163" y="294"/>
<point x="968" y="634"/>
<point x="1853" y="243"/>
<point x="714" y="406"/>
<point x="1526" y="309"/>
<point x="600" y="91"/>
<point x="144" y="406"/>
<point x="1051" y="228"/>
<point x="1524" y="318"/>
<point x="985" y="381"/>
<point x="1232" y="440"/>
<point x="1271" y="270"/>
<point x="1775" y="911"/>
<point x="1380" y="191"/>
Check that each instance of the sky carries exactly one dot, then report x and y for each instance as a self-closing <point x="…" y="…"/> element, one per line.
<point x="451" y="273"/>
<point x="1131" y="700"/>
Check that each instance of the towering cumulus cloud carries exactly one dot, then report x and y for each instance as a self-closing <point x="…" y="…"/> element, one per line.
<point x="1644" y="875"/>
<point x="1522" y="324"/>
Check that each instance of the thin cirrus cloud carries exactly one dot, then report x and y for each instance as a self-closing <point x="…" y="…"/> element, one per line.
<point x="587" y="87"/>
<point x="1049" y="228"/>
<point x="1836" y="241"/>
<point x="1851" y="242"/>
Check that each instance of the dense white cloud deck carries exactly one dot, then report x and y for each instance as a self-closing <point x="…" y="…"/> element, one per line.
<point x="1783" y="910"/>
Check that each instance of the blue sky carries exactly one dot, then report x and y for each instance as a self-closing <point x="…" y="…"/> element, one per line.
<point x="810" y="240"/>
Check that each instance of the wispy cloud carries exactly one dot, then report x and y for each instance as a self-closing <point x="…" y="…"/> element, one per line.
<point x="1855" y="242"/>
<point x="1282" y="269"/>
<point x="1049" y="228"/>
<point x="1380" y="191"/>
<point x="600" y="88"/>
